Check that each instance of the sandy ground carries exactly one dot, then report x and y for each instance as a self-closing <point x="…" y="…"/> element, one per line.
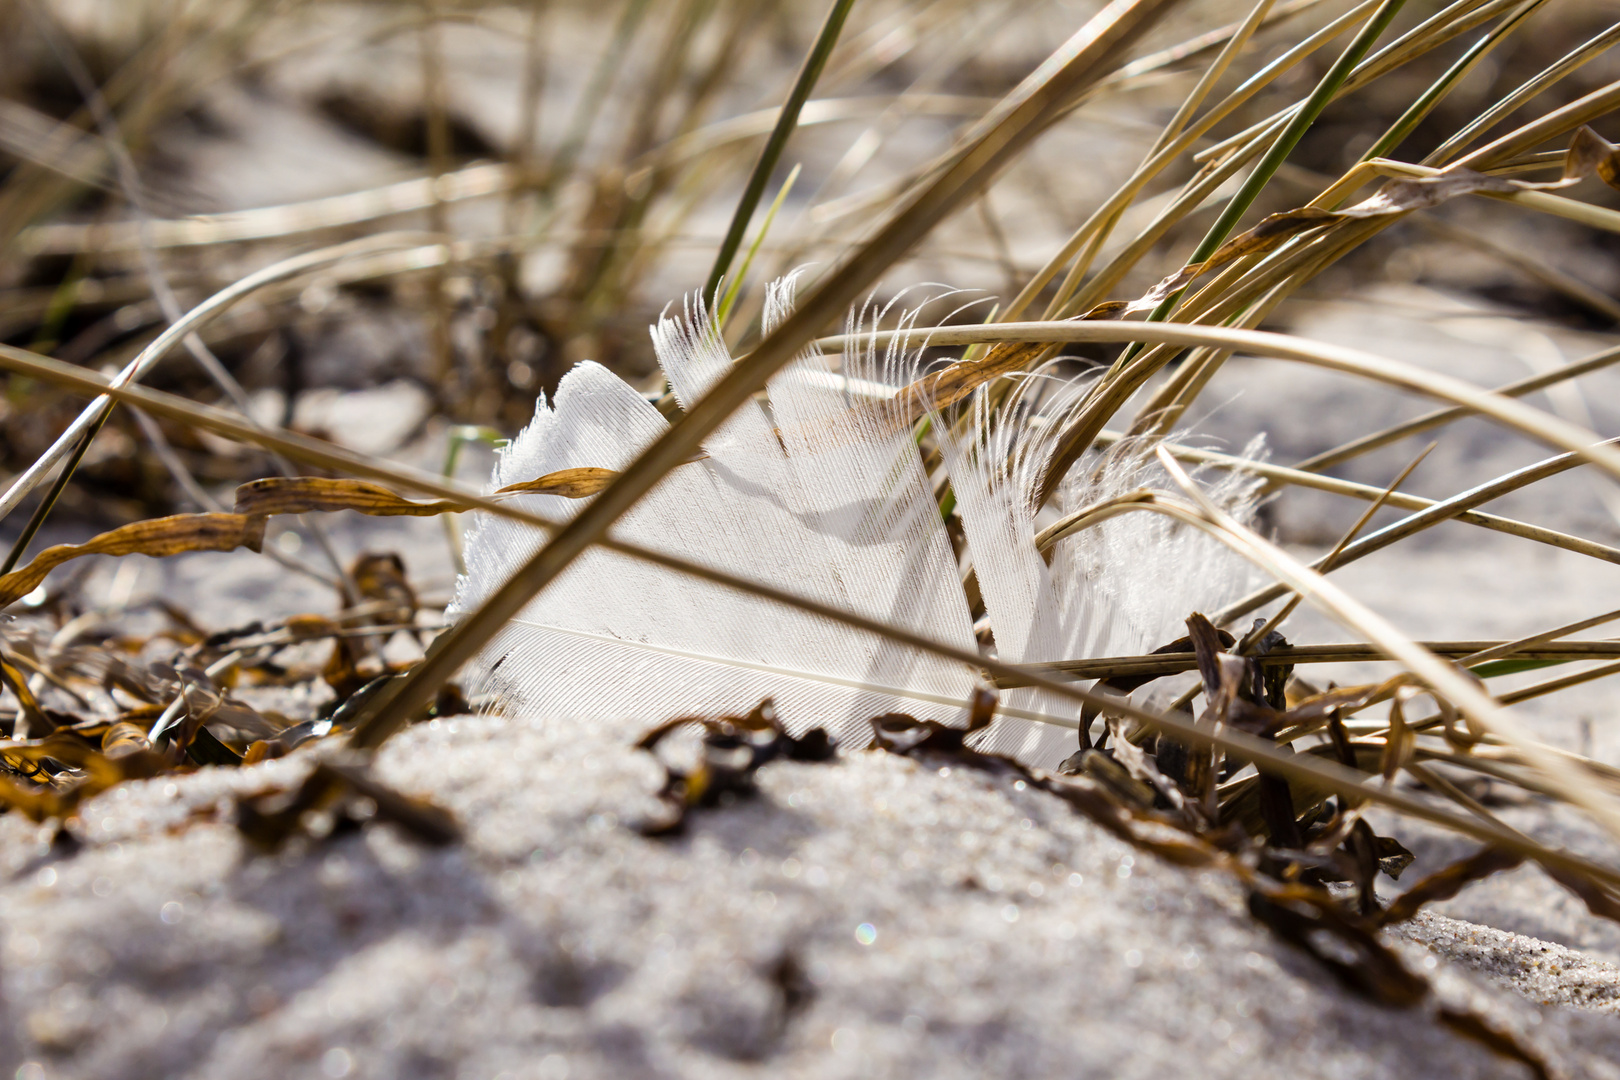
<point x="871" y="917"/>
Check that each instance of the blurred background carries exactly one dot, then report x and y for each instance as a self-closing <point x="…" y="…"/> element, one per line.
<point x="585" y="159"/>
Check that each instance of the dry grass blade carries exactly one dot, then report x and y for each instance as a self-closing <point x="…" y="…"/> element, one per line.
<point x="1577" y="113"/>
<point x="1104" y="667"/>
<point x="273" y="222"/>
<point x="1531" y="87"/>
<point x="1278" y="476"/>
<point x="1330" y="560"/>
<point x="1440" y="417"/>
<point x="1425" y="519"/>
<point x="1093" y="232"/>
<point x="1521" y="645"/>
<point x="1552" y="686"/>
<point x="1530" y="422"/>
<point x="788" y="118"/>
<point x="1589" y="154"/>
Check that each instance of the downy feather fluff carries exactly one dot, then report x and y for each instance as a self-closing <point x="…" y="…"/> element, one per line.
<point x="823" y="495"/>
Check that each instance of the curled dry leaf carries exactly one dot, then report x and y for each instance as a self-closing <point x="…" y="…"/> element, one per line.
<point x="317" y="494"/>
<point x="157" y="537"/>
<point x="124" y="737"/>
<point x="1589" y="154"/>
<point x="569" y="483"/>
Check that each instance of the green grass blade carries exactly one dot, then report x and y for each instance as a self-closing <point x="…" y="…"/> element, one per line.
<point x="753" y="249"/>
<point x="814" y="64"/>
<point x="1284" y="145"/>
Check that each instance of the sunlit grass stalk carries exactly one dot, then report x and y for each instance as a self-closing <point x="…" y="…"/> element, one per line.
<point x="1326" y="89"/>
<point x="1437" y="91"/>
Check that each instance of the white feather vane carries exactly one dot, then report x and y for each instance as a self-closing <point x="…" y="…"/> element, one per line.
<point x="824" y="496"/>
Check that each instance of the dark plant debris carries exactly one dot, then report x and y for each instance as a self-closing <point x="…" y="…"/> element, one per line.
<point x="96" y="706"/>
<point x="730" y="751"/>
<point x="1288" y="849"/>
<point x="339" y="797"/>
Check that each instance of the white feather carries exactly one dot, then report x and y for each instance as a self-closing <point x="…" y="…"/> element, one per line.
<point x="824" y="495"/>
<point x="821" y="499"/>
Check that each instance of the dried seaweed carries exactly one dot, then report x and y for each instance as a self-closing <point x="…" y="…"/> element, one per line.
<point x="1448" y="881"/>
<point x="165" y="703"/>
<point x="58" y="773"/>
<point x="336" y="798"/>
<point x="1276" y="879"/>
<point x="731" y="750"/>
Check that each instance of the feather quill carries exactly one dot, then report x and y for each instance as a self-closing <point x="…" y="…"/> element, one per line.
<point x="825" y="495"/>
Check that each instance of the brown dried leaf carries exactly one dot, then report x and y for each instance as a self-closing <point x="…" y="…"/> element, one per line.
<point x="1401" y="743"/>
<point x="568" y="483"/>
<point x="1423" y="192"/>
<point x="310" y="627"/>
<point x="37" y="722"/>
<point x="317" y="494"/>
<point x="1590" y="154"/>
<point x="945" y="388"/>
<point x="1107" y="310"/>
<point x="157" y="537"/>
